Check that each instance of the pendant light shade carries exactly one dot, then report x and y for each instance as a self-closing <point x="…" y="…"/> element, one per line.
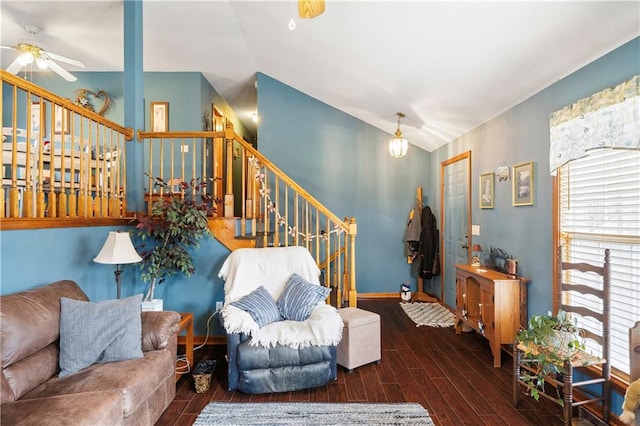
<point x="398" y="145"/>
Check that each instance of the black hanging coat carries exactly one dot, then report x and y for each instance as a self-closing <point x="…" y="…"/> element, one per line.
<point x="429" y="241"/>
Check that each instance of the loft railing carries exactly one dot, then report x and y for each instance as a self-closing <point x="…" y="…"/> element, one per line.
<point x="59" y="160"/>
<point x="266" y="205"/>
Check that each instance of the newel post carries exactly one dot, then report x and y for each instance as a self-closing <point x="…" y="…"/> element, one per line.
<point x="228" y="196"/>
<point x="353" y="293"/>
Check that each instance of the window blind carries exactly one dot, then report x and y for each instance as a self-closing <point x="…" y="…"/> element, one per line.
<point x="600" y="209"/>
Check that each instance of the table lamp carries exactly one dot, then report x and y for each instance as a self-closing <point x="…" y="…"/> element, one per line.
<point x="475" y="259"/>
<point x="118" y="250"/>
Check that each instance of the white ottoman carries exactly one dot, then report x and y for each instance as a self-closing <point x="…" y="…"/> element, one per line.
<point x="360" y="342"/>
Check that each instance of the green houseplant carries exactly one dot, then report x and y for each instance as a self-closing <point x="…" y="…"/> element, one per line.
<point x="549" y="341"/>
<point x="177" y="222"/>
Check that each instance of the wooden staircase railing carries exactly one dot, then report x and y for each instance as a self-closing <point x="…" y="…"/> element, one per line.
<point x="258" y="204"/>
<point x="59" y="159"/>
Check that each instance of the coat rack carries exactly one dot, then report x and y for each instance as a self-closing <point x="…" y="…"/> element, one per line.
<point x="420" y="295"/>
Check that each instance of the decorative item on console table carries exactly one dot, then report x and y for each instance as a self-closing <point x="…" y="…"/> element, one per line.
<point x="492" y="304"/>
<point x="475" y="260"/>
<point x="177" y="222"/>
<point x="497" y="260"/>
<point x="512" y="268"/>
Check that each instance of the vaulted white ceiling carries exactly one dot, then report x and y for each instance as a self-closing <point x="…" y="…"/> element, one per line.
<point x="449" y="66"/>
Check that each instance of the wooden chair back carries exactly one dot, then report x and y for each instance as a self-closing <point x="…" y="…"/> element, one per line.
<point x="603" y="315"/>
<point x="634" y="352"/>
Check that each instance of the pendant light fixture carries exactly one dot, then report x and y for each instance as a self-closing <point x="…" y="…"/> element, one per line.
<point x="398" y="145"/>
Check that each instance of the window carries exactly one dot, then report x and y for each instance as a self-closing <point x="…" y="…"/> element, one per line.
<point x="599" y="208"/>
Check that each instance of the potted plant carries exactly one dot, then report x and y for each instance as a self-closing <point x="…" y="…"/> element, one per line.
<point x="177" y="222"/>
<point x="549" y="341"/>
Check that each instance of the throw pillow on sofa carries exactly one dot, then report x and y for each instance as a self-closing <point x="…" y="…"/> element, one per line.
<point x="260" y="305"/>
<point x="299" y="297"/>
<point x="105" y="331"/>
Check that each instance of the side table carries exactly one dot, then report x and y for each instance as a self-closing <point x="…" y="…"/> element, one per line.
<point x="186" y="324"/>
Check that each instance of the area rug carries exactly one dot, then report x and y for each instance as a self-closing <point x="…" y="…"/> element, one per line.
<point x="429" y="314"/>
<point x="302" y="413"/>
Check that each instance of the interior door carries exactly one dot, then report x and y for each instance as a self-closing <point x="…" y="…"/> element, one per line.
<point x="456" y="200"/>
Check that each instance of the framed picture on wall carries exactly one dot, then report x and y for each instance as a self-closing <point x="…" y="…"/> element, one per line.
<point x="523" y="184"/>
<point x="61" y="120"/>
<point x="486" y="190"/>
<point x="37" y="116"/>
<point x="159" y="116"/>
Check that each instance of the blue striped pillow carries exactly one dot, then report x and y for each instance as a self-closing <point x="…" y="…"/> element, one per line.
<point x="300" y="297"/>
<point x="260" y="305"/>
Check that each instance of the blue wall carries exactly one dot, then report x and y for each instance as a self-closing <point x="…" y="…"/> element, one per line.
<point x="345" y="164"/>
<point x="38" y="257"/>
<point x="519" y="135"/>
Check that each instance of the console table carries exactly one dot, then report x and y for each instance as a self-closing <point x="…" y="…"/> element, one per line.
<point x="492" y="304"/>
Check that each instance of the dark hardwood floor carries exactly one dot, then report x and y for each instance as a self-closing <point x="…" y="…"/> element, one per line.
<point x="450" y="375"/>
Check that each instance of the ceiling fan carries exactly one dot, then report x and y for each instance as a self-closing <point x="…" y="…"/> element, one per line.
<point x="30" y="53"/>
<point x="308" y="9"/>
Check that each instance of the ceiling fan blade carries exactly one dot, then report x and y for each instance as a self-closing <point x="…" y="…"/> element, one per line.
<point x="58" y="69"/>
<point x="65" y="60"/>
<point x="8" y="47"/>
<point x="14" y="67"/>
<point x="308" y="9"/>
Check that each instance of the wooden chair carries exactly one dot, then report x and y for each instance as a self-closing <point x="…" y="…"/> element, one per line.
<point x="634" y="352"/>
<point x="565" y="381"/>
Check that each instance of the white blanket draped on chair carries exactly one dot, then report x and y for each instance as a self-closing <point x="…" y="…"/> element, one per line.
<point x="247" y="269"/>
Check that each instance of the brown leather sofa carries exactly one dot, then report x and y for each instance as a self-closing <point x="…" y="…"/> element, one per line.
<point x="131" y="392"/>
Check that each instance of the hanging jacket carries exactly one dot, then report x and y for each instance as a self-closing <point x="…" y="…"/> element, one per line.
<point x="414" y="229"/>
<point x="428" y="249"/>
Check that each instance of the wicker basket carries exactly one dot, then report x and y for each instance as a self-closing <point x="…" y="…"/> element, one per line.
<point x="202" y="375"/>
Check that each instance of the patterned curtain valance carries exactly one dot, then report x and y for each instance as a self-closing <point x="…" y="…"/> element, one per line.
<point x="608" y="119"/>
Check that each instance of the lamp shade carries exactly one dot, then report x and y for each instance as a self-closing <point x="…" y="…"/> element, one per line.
<point x="476" y="247"/>
<point x="398" y="147"/>
<point x="118" y="249"/>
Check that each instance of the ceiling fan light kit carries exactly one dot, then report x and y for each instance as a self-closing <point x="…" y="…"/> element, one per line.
<point x="30" y="53"/>
<point x="398" y="146"/>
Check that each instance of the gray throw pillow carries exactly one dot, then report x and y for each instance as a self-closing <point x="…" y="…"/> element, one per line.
<point x="98" y="332"/>
<point x="299" y="297"/>
<point x="260" y="305"/>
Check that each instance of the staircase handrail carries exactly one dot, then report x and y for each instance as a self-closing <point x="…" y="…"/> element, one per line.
<point x="230" y="134"/>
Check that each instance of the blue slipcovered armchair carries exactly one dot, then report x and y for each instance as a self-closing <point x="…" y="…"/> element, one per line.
<point x="269" y="353"/>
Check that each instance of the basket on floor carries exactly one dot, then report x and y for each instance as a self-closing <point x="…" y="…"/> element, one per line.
<point x="202" y="375"/>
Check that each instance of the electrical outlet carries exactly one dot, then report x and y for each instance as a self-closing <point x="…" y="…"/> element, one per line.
<point x="218" y="306"/>
<point x="184" y="148"/>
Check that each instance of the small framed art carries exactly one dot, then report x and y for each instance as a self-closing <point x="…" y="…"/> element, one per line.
<point x="37" y="116"/>
<point x="486" y="190"/>
<point x="61" y="120"/>
<point x="159" y="116"/>
<point x="523" y="184"/>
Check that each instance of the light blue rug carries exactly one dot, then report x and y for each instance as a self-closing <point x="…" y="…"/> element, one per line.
<point x="302" y="413"/>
